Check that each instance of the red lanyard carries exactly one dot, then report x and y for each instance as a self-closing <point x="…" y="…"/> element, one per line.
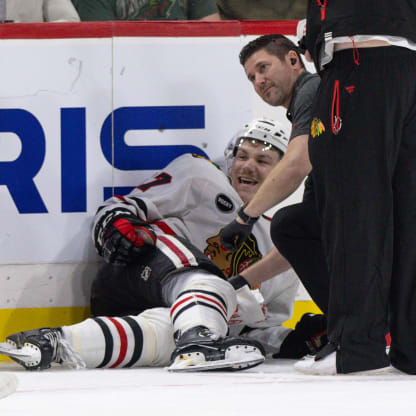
<point x="322" y="7"/>
<point x="335" y="118"/>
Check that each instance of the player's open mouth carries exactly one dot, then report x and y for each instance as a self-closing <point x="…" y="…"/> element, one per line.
<point x="247" y="181"/>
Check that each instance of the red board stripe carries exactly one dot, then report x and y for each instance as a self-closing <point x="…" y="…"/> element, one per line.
<point x="284" y="27"/>
<point x="177" y="28"/>
<point x="61" y="30"/>
<point x="66" y="30"/>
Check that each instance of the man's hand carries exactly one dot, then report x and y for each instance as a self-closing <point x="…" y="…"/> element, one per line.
<point x="234" y="234"/>
<point x="126" y="239"/>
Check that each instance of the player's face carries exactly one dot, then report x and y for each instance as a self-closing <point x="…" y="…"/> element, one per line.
<point x="251" y="165"/>
<point x="272" y="78"/>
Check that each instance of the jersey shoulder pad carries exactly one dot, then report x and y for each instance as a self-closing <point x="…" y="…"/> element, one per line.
<point x="205" y="158"/>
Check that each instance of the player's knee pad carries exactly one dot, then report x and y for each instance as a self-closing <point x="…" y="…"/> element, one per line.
<point x="203" y="299"/>
<point x="130" y="341"/>
<point x="215" y="285"/>
<point x="162" y="344"/>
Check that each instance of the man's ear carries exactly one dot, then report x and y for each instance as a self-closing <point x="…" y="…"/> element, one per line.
<point x="292" y="58"/>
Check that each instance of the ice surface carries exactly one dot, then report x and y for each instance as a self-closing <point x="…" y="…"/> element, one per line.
<point x="272" y="388"/>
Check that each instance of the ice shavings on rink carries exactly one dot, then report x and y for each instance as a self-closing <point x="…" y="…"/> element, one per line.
<point x="272" y="388"/>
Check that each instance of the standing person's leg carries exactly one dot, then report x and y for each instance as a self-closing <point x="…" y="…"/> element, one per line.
<point x="403" y="285"/>
<point x="296" y="232"/>
<point x="353" y="158"/>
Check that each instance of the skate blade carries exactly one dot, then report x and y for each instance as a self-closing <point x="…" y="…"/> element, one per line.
<point x="188" y="365"/>
<point x="10" y="351"/>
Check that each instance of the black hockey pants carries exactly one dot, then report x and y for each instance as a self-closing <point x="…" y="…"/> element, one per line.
<point x="296" y="232"/>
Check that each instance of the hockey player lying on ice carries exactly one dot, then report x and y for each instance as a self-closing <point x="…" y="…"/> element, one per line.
<point x="171" y="293"/>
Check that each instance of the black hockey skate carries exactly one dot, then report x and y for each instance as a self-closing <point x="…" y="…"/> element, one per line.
<point x="38" y="348"/>
<point x="199" y="349"/>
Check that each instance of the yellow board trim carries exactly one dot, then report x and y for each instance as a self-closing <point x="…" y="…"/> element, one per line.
<point x="301" y="307"/>
<point x="16" y="320"/>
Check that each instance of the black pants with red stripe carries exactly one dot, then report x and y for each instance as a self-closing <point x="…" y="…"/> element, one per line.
<point x="363" y="151"/>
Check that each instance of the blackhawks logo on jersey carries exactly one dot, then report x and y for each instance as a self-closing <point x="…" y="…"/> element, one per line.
<point x="232" y="263"/>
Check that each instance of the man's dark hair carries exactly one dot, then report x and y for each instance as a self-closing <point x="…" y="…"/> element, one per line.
<point x="274" y="44"/>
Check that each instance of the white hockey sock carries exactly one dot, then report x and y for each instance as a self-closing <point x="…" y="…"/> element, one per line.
<point x="130" y="341"/>
<point x="206" y="300"/>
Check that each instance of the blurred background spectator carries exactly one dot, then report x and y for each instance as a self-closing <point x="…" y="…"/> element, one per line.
<point x="147" y="9"/>
<point x="40" y="11"/>
<point x="262" y="9"/>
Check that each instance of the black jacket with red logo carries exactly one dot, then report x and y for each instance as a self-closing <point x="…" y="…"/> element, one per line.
<point x="335" y="18"/>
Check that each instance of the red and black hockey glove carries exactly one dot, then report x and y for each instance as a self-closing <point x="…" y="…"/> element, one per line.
<point x="126" y="239"/>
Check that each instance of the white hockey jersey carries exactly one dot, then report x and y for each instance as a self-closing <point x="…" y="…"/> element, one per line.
<point x="192" y="198"/>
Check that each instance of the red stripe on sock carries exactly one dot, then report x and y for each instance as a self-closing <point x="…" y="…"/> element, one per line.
<point x="175" y="306"/>
<point x="178" y="304"/>
<point x="123" y="342"/>
<point x="213" y="301"/>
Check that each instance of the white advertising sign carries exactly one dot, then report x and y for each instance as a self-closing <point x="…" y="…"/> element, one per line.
<point x="82" y="118"/>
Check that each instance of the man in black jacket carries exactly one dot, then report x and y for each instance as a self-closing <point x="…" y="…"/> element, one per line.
<point x="363" y="151"/>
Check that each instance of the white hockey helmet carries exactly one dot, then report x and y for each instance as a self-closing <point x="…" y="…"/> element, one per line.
<point x="266" y="130"/>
